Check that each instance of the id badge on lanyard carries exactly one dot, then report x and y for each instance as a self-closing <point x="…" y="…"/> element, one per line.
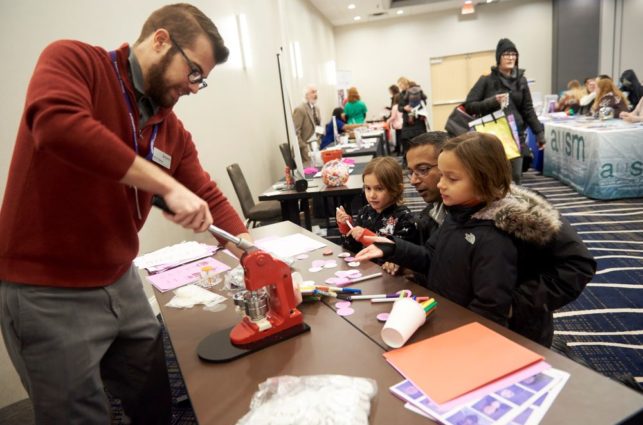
<point x="155" y="155"/>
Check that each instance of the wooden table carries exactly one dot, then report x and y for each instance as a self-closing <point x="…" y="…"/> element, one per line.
<point x="221" y="393"/>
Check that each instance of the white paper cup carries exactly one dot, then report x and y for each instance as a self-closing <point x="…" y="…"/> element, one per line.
<point x="297" y="282"/>
<point x="406" y="317"/>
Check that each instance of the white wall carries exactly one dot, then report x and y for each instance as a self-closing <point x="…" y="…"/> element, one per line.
<point x="238" y="118"/>
<point x="620" y="38"/>
<point x="378" y="53"/>
<point x="632" y="37"/>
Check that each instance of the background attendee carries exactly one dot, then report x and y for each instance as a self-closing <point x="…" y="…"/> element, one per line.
<point x="354" y="110"/>
<point x="587" y="100"/>
<point x="636" y="115"/>
<point x="608" y="95"/>
<point x="507" y="84"/>
<point x="97" y="139"/>
<point x="411" y="98"/>
<point x="395" y="122"/>
<point x="307" y="118"/>
<point x="570" y="100"/>
<point x="393" y="91"/>
<point x="329" y="135"/>
<point x="385" y="214"/>
<point x="630" y="84"/>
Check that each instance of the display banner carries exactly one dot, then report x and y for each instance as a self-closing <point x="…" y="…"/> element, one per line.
<point x="601" y="160"/>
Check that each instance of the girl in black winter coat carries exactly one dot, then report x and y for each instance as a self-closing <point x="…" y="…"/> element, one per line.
<point x="468" y="259"/>
<point x="507" y="85"/>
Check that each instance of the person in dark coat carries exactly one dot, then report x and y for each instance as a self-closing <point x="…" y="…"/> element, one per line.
<point x="506" y="84"/>
<point x="468" y="260"/>
<point x="410" y="96"/>
<point x="630" y="84"/>
<point x="553" y="266"/>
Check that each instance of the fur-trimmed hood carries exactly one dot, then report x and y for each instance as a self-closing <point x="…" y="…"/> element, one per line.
<point x="524" y="215"/>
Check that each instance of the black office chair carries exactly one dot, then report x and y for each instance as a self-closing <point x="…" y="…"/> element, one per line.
<point x="263" y="211"/>
<point x="287" y="155"/>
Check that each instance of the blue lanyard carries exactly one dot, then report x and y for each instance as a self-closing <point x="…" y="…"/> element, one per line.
<point x="130" y="110"/>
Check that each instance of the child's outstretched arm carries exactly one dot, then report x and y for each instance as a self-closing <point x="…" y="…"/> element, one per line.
<point x="360" y="233"/>
<point x="372" y="251"/>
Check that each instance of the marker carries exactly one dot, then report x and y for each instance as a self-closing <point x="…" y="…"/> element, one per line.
<point x="390" y="299"/>
<point x="369" y="297"/>
<point x="384" y="300"/>
<point x="325" y="293"/>
<point x="367" y="277"/>
<point x="347" y="222"/>
<point x="430" y="307"/>
<point x="338" y="289"/>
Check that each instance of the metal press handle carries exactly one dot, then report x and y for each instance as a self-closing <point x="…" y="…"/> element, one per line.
<point x="243" y="244"/>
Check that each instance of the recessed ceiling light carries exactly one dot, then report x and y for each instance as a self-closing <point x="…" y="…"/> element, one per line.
<point x="351" y="6"/>
<point x="400" y="12"/>
<point x="357" y="18"/>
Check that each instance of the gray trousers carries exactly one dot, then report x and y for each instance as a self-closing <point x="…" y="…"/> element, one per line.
<point x="68" y="345"/>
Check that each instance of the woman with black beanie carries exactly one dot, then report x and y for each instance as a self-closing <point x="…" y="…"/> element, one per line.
<point x="507" y="85"/>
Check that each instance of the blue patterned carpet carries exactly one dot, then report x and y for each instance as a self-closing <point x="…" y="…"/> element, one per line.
<point x="603" y="328"/>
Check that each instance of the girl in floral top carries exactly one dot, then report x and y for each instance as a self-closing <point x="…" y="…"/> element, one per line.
<point x="384" y="215"/>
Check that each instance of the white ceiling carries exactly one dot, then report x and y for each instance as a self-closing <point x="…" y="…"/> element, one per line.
<point x="337" y="12"/>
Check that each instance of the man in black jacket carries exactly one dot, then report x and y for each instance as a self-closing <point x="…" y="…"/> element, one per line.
<point x="553" y="269"/>
<point x="506" y="88"/>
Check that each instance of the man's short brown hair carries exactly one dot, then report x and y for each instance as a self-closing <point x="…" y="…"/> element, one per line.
<point x="185" y="23"/>
<point x="486" y="163"/>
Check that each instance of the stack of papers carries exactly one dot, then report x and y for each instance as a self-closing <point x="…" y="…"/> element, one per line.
<point x="289" y="246"/>
<point x="173" y="256"/>
<point x="186" y="274"/>
<point x="474" y="375"/>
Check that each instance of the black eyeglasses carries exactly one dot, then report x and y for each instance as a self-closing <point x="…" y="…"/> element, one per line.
<point x="196" y="75"/>
<point x="421" y="171"/>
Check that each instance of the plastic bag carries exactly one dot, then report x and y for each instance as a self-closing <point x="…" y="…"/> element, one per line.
<point x="335" y="173"/>
<point x="190" y="295"/>
<point x="311" y="400"/>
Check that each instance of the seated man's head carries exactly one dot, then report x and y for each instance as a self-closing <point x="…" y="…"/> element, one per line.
<point x="422" y="161"/>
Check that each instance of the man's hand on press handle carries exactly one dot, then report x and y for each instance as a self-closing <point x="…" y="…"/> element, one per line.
<point x="189" y="210"/>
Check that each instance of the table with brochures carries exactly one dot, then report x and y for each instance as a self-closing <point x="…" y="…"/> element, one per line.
<point x="352" y="346"/>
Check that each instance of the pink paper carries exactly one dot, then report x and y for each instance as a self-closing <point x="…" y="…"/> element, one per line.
<point x="186" y="274"/>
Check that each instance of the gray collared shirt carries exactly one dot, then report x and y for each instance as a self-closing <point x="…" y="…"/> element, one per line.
<point x="146" y="106"/>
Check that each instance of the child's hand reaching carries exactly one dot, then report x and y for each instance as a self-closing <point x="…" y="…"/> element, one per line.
<point x="372" y="251"/>
<point x="357" y="232"/>
<point x="391" y="268"/>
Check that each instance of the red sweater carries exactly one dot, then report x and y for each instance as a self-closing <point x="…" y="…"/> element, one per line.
<point x="66" y="220"/>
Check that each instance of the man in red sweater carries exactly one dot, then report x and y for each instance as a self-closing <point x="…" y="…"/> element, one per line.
<point x="97" y="138"/>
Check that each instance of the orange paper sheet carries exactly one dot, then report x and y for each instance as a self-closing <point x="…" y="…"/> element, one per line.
<point x="451" y="364"/>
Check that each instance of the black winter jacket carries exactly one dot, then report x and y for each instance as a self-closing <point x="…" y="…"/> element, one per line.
<point x="467" y="260"/>
<point x="481" y="100"/>
<point x="554" y="265"/>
